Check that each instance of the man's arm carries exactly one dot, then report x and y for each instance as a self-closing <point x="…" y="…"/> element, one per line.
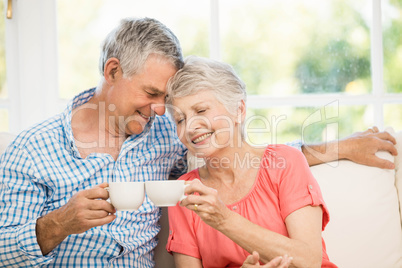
<point x="22" y="203"/>
<point x="360" y="147"/>
<point x="25" y="237"/>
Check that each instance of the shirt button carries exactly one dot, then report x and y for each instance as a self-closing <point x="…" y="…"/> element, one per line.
<point x="170" y="232"/>
<point x="234" y="207"/>
<point x="310" y="186"/>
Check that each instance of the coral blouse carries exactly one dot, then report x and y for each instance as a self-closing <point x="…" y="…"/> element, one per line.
<point x="284" y="184"/>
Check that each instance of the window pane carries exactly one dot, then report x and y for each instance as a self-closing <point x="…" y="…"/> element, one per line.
<point x="393" y="116"/>
<point x="285" y="47"/>
<point x="4" y="123"/>
<point x="3" y="88"/>
<point x="392" y="44"/>
<point x="309" y="124"/>
<point x="81" y="31"/>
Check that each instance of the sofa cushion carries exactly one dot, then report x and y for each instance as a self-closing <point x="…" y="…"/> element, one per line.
<point x="365" y="225"/>
<point x="398" y="168"/>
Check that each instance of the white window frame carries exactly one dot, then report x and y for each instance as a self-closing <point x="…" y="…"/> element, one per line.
<point x="32" y="67"/>
<point x="31" y="60"/>
<point x="378" y="98"/>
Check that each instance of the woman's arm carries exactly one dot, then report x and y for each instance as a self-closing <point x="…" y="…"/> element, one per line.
<point x="185" y="261"/>
<point x="303" y="244"/>
<point x="304" y="228"/>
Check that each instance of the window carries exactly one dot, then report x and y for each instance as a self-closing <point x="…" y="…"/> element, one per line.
<point x="314" y="70"/>
<point x="284" y="49"/>
<point x="288" y="47"/>
<point x="80" y="35"/>
<point x="392" y="36"/>
<point x="4" y="125"/>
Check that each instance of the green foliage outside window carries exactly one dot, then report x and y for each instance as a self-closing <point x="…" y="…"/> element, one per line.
<point x="277" y="48"/>
<point x="392" y="44"/>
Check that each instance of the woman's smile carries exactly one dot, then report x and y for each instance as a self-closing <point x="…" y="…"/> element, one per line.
<point x="200" y="139"/>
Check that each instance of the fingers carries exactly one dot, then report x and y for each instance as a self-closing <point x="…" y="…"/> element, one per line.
<point x="279" y="262"/>
<point x="97" y="214"/>
<point x="251" y="259"/>
<point x="97" y="192"/>
<point x="192" y="199"/>
<point x="102" y="221"/>
<point x="379" y="162"/>
<point x="385" y="145"/>
<point x="362" y="148"/>
<point x="196" y="186"/>
<point x="201" y="202"/>
<point x="373" y="129"/>
<point x="197" y="193"/>
<point x="101" y="205"/>
<point x="381" y="135"/>
<point x="103" y="185"/>
<point x="274" y="262"/>
<point x="386" y="137"/>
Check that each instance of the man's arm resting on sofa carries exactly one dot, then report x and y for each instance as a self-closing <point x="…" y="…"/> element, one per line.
<point x="360" y="147"/>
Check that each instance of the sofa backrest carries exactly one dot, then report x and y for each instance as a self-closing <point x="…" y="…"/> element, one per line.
<point x="398" y="169"/>
<point x="365" y="221"/>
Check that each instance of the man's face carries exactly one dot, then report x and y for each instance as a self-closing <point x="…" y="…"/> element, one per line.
<point x="141" y="96"/>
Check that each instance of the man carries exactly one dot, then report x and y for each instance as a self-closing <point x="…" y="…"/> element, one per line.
<point x="53" y="176"/>
<point x="53" y="208"/>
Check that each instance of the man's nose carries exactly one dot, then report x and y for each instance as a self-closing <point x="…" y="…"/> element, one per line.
<point x="158" y="108"/>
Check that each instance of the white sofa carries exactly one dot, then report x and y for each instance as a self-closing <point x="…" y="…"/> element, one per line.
<point x="365" y="230"/>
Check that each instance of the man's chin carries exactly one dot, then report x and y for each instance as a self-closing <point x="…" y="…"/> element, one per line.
<point x="135" y="128"/>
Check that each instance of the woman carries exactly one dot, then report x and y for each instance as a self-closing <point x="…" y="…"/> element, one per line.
<point x="244" y="198"/>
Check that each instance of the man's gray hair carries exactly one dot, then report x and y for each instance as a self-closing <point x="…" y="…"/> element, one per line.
<point x="200" y="74"/>
<point x="137" y="38"/>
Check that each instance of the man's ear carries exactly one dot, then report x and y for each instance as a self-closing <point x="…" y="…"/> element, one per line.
<point x="112" y="70"/>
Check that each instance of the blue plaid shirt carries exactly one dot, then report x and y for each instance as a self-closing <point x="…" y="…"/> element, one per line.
<point x="41" y="170"/>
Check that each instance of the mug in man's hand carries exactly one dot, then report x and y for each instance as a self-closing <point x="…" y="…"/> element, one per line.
<point x="126" y="196"/>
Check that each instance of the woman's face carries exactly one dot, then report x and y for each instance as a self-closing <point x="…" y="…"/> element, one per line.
<point x="204" y="125"/>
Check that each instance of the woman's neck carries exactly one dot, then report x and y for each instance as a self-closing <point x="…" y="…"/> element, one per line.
<point x="231" y="162"/>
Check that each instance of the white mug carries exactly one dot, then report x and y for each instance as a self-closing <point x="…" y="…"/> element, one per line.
<point x="126" y="196"/>
<point x="165" y="193"/>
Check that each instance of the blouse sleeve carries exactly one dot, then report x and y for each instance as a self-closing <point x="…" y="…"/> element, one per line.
<point x="182" y="233"/>
<point x="295" y="183"/>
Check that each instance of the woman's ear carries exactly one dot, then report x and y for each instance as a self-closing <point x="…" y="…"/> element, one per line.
<point x="112" y="70"/>
<point x="241" y="112"/>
